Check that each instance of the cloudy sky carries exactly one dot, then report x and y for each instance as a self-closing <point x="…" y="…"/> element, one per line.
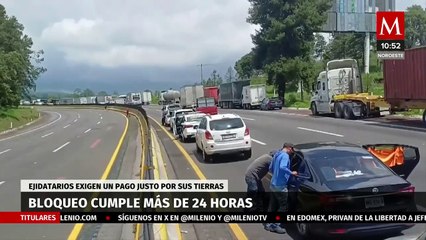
<point x="130" y="45"/>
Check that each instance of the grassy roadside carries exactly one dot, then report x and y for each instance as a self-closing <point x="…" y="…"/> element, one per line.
<point x="16" y="116"/>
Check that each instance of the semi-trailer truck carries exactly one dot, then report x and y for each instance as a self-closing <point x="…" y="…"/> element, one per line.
<point x="170" y="97"/>
<point x="212" y="92"/>
<point x="146" y="98"/>
<point x="339" y="91"/>
<point x="405" y="81"/>
<point x="189" y="95"/>
<point x="230" y="94"/>
<point x="253" y="96"/>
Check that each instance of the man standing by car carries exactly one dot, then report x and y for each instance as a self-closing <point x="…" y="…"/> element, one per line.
<point x="254" y="174"/>
<point x="280" y="169"/>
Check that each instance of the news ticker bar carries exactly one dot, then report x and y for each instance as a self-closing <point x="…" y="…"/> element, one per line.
<point x="114" y="217"/>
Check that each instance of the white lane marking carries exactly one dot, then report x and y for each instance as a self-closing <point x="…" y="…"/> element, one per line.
<point x="98" y="123"/>
<point x="1" y="182"/>
<point x="76" y="120"/>
<point x="257" y="141"/>
<point x="5" y="151"/>
<point x="250" y="119"/>
<point x="67" y="126"/>
<point x="78" y="115"/>
<point x="59" y="148"/>
<point x="102" y="118"/>
<point x="35" y="129"/>
<point x="47" y="135"/>
<point x="88" y="130"/>
<point x="318" y="131"/>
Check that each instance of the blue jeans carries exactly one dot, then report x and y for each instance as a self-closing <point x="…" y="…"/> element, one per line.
<point x="278" y="202"/>
<point x="252" y="185"/>
<point x="255" y="191"/>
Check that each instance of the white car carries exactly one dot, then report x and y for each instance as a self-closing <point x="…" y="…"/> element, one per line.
<point x="223" y="134"/>
<point x="167" y="113"/>
<point x="191" y="120"/>
<point x="176" y="114"/>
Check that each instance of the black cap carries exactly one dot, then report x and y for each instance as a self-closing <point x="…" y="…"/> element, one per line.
<point x="288" y="145"/>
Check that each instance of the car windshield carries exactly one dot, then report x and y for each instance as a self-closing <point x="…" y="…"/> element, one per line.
<point x="206" y="102"/>
<point x="181" y="113"/>
<point x="174" y="107"/>
<point x="195" y="118"/>
<point x="226" y="123"/>
<point x="339" y="165"/>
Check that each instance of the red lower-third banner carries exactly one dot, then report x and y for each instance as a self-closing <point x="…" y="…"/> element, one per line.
<point x="30" y="217"/>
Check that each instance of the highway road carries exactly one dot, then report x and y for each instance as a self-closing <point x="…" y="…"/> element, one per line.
<point x="268" y="131"/>
<point x="65" y="144"/>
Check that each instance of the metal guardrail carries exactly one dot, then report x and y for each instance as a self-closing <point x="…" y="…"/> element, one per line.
<point x="147" y="228"/>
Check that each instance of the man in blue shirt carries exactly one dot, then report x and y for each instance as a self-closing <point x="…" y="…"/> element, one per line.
<point x="281" y="172"/>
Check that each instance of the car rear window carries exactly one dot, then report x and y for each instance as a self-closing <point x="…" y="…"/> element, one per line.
<point x="346" y="165"/>
<point x="172" y="108"/>
<point x="194" y="118"/>
<point x="226" y="123"/>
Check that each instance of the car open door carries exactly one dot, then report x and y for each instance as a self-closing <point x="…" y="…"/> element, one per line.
<point x="402" y="159"/>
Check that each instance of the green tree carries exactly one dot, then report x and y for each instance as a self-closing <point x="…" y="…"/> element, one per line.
<point x="415" y="26"/>
<point x="229" y="76"/>
<point x="87" y="93"/>
<point x="20" y="66"/>
<point x="244" y="66"/>
<point x="284" y="43"/>
<point x="320" y="46"/>
<point x="346" y="45"/>
<point x="102" y="93"/>
<point x="214" y="80"/>
<point x="77" y="92"/>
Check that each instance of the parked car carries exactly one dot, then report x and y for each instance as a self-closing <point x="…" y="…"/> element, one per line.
<point x="271" y="103"/>
<point x="167" y="113"/>
<point x="174" y="117"/>
<point x="190" y="121"/>
<point x="345" y="177"/>
<point x="222" y="134"/>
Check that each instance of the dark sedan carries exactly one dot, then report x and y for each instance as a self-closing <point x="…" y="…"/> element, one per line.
<point x="271" y="103"/>
<point x="341" y="176"/>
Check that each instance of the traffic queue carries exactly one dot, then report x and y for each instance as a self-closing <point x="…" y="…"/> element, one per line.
<point x="308" y="176"/>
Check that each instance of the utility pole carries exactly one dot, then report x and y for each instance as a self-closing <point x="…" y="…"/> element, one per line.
<point x="201" y="68"/>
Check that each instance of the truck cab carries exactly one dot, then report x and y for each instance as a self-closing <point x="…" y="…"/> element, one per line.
<point x="340" y="78"/>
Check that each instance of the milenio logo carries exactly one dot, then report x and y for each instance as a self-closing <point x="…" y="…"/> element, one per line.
<point x="390" y="35"/>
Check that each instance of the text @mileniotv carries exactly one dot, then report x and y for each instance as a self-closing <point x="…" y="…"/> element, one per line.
<point x="139" y="203"/>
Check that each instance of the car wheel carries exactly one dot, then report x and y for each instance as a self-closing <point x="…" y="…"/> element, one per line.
<point x="338" y="110"/>
<point x="280" y="108"/>
<point x="348" y="113"/>
<point x="247" y="154"/>
<point x="206" y="157"/>
<point x="303" y="230"/>
<point x="314" y="109"/>
<point x="183" y="138"/>
<point x="197" y="147"/>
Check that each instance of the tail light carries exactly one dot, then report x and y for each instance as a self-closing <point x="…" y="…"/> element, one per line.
<point x="246" y="132"/>
<point x="409" y="189"/>
<point x="208" y="135"/>
<point x="327" y="200"/>
<point x="187" y="126"/>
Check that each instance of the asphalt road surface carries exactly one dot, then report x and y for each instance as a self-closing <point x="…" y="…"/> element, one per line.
<point x="269" y="129"/>
<point x="65" y="144"/>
